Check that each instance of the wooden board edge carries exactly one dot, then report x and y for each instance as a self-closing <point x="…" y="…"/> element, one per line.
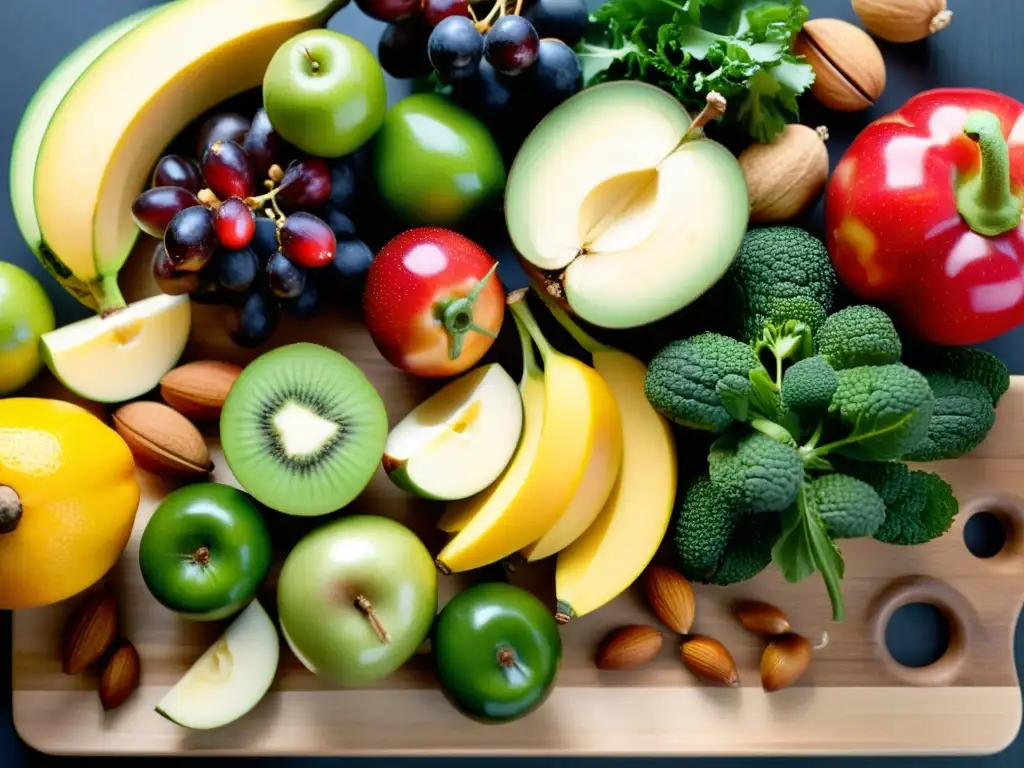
<point x="690" y="721"/>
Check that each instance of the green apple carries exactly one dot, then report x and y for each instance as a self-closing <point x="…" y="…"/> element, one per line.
<point x="25" y="315"/>
<point x="620" y="206"/>
<point x="205" y="551"/>
<point x="435" y="163"/>
<point x="356" y="598"/>
<point x="124" y="355"/>
<point x="459" y="440"/>
<point x="324" y="92"/>
<point x="230" y="678"/>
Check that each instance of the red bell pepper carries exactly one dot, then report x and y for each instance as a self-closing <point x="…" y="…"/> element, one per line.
<point x="923" y="215"/>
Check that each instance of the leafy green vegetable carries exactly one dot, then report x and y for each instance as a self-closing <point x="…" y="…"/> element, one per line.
<point x="743" y="49"/>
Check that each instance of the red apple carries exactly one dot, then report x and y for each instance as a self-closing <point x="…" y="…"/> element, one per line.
<point x="432" y="302"/>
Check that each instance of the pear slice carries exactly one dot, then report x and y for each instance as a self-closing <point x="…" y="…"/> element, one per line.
<point x="459" y="440"/>
<point x="123" y="355"/>
<point x="230" y="678"/>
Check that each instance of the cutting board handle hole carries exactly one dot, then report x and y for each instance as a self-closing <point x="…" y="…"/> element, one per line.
<point x="922" y="630"/>
<point x="986" y="534"/>
<point x="994" y="531"/>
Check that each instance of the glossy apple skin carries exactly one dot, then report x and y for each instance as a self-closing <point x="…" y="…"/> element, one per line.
<point x="413" y="276"/>
<point x="225" y="521"/>
<point x="333" y="110"/>
<point x="478" y="624"/>
<point x="25" y="314"/>
<point x="435" y="163"/>
<point x="363" y="555"/>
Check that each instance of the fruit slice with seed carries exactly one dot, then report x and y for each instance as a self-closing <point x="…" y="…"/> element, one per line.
<point x="303" y="430"/>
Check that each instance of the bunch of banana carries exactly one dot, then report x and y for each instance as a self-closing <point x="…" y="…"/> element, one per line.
<point x="97" y="127"/>
<point x="603" y="510"/>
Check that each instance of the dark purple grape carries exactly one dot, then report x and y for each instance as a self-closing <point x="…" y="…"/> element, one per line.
<point x="344" y="183"/>
<point x="191" y="238"/>
<point x="168" y="279"/>
<point x="556" y="75"/>
<point x="307" y="240"/>
<point x="235" y="224"/>
<point x="209" y="291"/>
<point x="306" y="304"/>
<point x="254" y="320"/>
<point x="262" y="144"/>
<point x="511" y="45"/>
<point x="236" y="270"/>
<point x="351" y="261"/>
<point x="435" y="11"/>
<point x="564" y="20"/>
<point x="402" y="49"/>
<point x="340" y="224"/>
<point x="228" y="126"/>
<point x="455" y="48"/>
<point x="486" y="94"/>
<point x="154" y="208"/>
<point x="285" y="279"/>
<point x="178" y="171"/>
<point x="264" y="241"/>
<point x="389" y="10"/>
<point x="227" y="170"/>
<point x="306" y="185"/>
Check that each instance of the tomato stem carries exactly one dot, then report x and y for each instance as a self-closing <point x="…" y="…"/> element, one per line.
<point x="456" y="315"/>
<point x="10" y="509"/>
<point x="363" y="604"/>
<point x="986" y="201"/>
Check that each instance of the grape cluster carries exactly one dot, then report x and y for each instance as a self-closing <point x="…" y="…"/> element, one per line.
<point x="506" y="60"/>
<point x="259" y="251"/>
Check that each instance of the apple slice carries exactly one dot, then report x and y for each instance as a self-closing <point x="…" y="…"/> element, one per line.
<point x="456" y="443"/>
<point x="621" y="208"/>
<point x="119" y="357"/>
<point x="230" y="678"/>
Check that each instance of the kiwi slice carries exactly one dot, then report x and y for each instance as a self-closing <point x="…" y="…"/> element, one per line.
<point x="303" y="430"/>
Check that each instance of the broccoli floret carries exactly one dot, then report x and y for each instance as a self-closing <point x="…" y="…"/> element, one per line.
<point x="849" y="507"/>
<point x="887" y="409"/>
<point x="682" y="379"/>
<point x="963" y="416"/>
<point x="776" y="265"/>
<point x="749" y="551"/>
<point x="923" y="511"/>
<point x="888" y="478"/>
<point x="702" y="529"/>
<point x="755" y="473"/>
<point x="799" y="309"/>
<point x="808" y="386"/>
<point x="861" y="335"/>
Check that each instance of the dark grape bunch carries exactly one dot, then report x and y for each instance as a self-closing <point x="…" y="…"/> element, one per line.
<point x="491" y="60"/>
<point x="237" y="229"/>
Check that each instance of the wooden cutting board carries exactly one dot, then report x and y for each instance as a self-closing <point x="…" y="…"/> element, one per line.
<point x="854" y="699"/>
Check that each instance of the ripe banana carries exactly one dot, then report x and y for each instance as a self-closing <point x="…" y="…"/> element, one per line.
<point x="615" y="549"/>
<point x="25" y="149"/>
<point x="579" y="413"/>
<point x="109" y="130"/>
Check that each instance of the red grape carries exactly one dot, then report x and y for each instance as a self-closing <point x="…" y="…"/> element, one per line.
<point x="227" y="170"/>
<point x="191" y="238"/>
<point x="306" y="185"/>
<point x="435" y="10"/>
<point x="389" y="10"/>
<point x="167" y="278"/>
<point x="154" y="208"/>
<point x="235" y="224"/>
<point x="178" y="171"/>
<point x="307" y="240"/>
<point x="285" y="278"/>
<point x="262" y="144"/>
<point x="511" y="45"/>
<point x="224" y="127"/>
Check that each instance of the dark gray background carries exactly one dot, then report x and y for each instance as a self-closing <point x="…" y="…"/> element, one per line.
<point x="980" y="49"/>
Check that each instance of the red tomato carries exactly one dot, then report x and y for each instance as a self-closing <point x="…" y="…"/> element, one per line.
<point x="432" y="302"/>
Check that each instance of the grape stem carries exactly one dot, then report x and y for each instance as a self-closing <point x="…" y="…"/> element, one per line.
<point x="497" y="10"/>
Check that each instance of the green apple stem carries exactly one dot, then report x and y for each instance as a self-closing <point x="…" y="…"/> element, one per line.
<point x="314" y="65"/>
<point x="363" y="604"/>
<point x="584" y="339"/>
<point x="507" y="657"/>
<point x="714" y="109"/>
<point x="457" y="316"/>
<point x="201" y="556"/>
<point x="108" y="295"/>
<point x="517" y="303"/>
<point x="10" y="509"/>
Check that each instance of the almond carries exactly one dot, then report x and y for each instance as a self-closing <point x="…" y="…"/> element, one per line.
<point x="629" y="647"/>
<point x="784" y="661"/>
<point x="162" y="440"/>
<point x="709" y="660"/>
<point x="120" y="676"/>
<point x="849" y="71"/>
<point x="198" y="390"/>
<point x="762" y="619"/>
<point x="671" y="597"/>
<point x="88" y="632"/>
